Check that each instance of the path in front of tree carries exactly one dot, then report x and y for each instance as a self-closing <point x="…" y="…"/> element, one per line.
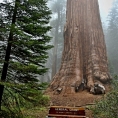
<point x="79" y="99"/>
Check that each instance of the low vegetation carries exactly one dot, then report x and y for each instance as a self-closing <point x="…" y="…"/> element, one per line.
<point x="108" y="106"/>
<point x="27" y="105"/>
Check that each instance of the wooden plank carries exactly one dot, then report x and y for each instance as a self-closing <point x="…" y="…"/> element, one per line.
<point x="80" y="108"/>
<point x="67" y="116"/>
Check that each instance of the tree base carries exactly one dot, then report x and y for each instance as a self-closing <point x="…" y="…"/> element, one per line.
<point x="96" y="82"/>
<point x="94" y="86"/>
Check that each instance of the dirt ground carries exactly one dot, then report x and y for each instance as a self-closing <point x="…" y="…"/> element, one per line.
<point x="80" y="99"/>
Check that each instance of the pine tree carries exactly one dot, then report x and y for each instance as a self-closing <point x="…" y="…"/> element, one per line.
<point x="24" y="27"/>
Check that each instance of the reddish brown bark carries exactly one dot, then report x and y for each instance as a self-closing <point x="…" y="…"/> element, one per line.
<point x="84" y="60"/>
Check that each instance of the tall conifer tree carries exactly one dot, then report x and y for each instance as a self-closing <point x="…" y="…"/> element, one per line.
<point x="24" y="27"/>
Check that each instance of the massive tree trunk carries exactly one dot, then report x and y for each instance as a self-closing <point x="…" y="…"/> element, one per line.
<point x="84" y="60"/>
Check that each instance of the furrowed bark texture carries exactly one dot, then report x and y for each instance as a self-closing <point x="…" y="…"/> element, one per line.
<point x="84" y="60"/>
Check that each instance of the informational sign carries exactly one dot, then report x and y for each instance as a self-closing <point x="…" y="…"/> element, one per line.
<point x="66" y="112"/>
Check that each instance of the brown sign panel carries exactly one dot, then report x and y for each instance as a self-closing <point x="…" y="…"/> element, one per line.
<point x="63" y="112"/>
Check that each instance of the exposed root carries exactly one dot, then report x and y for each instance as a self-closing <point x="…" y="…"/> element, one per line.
<point x="95" y="82"/>
<point x="90" y="82"/>
<point x="71" y="85"/>
<point x="97" y="89"/>
<point x="102" y="76"/>
<point x="66" y="85"/>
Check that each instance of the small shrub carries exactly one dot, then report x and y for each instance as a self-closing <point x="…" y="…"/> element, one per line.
<point x="20" y="98"/>
<point x="108" y="106"/>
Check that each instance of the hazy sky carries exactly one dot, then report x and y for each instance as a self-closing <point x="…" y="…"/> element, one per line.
<point x="104" y="5"/>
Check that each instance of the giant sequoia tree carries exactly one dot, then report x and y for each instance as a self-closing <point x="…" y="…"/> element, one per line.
<point x="84" y="60"/>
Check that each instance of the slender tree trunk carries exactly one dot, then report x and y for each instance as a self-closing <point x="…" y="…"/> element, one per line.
<point x="84" y="60"/>
<point x="8" y="51"/>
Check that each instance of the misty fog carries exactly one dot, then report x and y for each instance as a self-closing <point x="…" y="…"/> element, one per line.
<point x="109" y="19"/>
<point x="108" y="12"/>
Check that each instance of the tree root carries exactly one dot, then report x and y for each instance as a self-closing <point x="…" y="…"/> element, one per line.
<point x="96" y="81"/>
<point x="66" y="85"/>
<point x="102" y="76"/>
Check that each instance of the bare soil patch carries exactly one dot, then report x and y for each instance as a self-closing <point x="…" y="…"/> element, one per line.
<point x="80" y="99"/>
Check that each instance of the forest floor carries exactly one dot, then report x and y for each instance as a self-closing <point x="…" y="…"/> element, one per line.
<point x="80" y="99"/>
